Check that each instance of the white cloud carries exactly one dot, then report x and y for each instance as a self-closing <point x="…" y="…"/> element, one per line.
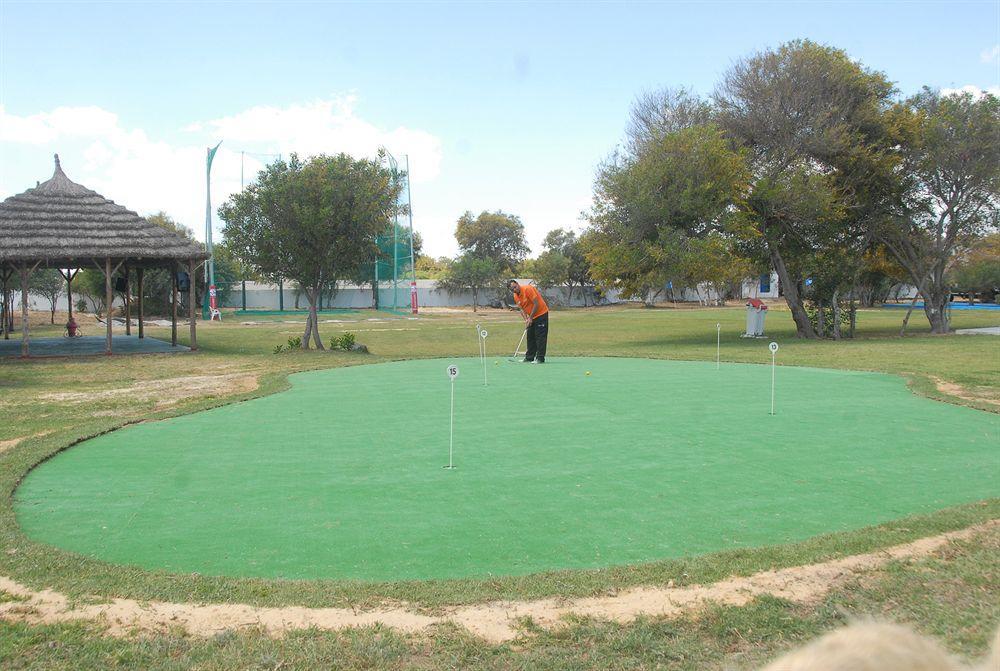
<point x="327" y="126"/>
<point x="990" y="56"/>
<point x="976" y="91"/>
<point x="148" y="174"/>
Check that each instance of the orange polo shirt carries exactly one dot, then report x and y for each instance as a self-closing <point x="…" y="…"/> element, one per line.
<point x="526" y="299"/>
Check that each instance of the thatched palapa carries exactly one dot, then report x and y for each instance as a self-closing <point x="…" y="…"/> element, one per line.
<point x="62" y="224"/>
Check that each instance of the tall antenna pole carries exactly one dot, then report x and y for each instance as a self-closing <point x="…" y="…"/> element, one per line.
<point x="413" y="265"/>
<point x="210" y="266"/>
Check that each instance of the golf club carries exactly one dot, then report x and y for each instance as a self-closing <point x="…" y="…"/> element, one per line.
<point x="514" y="356"/>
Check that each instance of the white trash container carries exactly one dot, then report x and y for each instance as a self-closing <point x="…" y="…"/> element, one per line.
<point x="756" y="312"/>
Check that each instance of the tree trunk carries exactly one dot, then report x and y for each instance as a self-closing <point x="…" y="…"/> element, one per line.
<point x="936" y="309"/>
<point x="475" y="299"/>
<point x="906" y="317"/>
<point x="803" y="327"/>
<point x="315" y="327"/>
<point x="312" y="323"/>
<point x="836" y="315"/>
<point x="820" y="319"/>
<point x="305" y="334"/>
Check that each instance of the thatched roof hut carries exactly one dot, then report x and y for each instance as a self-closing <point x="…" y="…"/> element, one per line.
<point x="66" y="225"/>
<point x="61" y="224"/>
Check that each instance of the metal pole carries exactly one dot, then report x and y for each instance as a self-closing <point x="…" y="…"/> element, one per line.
<point x="409" y="210"/>
<point x="451" y="430"/>
<point x="244" y="292"/>
<point x="772" y="381"/>
<point x="718" y="344"/>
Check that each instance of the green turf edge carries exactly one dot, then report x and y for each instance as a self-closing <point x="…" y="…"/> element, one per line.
<point x="42" y="566"/>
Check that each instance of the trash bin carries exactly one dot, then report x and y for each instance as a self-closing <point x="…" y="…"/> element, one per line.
<point x="756" y="311"/>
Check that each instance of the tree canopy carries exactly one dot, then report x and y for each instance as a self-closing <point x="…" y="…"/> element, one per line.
<point x="314" y="222"/>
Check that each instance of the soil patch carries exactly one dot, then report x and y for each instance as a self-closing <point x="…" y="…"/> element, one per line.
<point x="496" y="622"/>
<point x="961" y="392"/>
<point x="166" y="392"/>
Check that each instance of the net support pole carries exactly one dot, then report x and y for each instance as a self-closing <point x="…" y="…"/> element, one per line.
<point x="414" y="307"/>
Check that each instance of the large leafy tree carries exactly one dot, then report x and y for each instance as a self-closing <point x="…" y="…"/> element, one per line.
<point x="821" y="148"/>
<point x="493" y="235"/>
<point x="951" y="191"/>
<point x="471" y="273"/>
<point x="314" y="222"/>
<point x="577" y="268"/>
<point x="682" y="184"/>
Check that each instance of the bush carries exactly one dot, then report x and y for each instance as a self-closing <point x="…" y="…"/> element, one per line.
<point x="295" y="343"/>
<point x="344" y="342"/>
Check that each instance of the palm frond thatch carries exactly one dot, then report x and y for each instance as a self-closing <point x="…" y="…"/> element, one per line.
<point x="64" y="224"/>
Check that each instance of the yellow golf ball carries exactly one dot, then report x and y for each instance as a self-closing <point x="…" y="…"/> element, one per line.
<point x="588" y="372"/>
<point x="496" y="363"/>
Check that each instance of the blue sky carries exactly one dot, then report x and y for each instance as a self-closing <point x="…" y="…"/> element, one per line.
<point x="498" y="105"/>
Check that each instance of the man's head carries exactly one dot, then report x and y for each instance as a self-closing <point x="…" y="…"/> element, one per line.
<point x="514" y="286"/>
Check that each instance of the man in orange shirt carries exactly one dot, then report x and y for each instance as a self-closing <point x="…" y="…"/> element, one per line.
<point x="536" y="319"/>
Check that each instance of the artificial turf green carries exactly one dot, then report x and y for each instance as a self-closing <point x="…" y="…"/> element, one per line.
<point x="341" y="476"/>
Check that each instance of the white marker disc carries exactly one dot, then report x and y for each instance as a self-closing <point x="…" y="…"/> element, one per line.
<point x="452" y="371"/>
<point x="483" y="333"/>
<point x="773" y="347"/>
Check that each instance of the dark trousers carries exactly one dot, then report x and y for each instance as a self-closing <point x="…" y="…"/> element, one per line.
<point x="538" y="337"/>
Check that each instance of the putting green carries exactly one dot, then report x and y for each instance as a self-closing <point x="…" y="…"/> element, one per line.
<point x="341" y="476"/>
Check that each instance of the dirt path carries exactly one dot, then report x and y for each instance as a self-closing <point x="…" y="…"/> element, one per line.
<point x="961" y="392"/>
<point x="496" y="621"/>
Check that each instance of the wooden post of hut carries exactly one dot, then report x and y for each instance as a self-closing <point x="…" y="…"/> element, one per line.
<point x="191" y="306"/>
<point x="24" y="310"/>
<point x="173" y="305"/>
<point x="109" y="294"/>
<point x="138" y="282"/>
<point x="128" y="301"/>
<point x="5" y="300"/>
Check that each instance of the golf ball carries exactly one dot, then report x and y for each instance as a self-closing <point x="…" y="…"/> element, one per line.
<point x="588" y="372"/>
<point x="496" y="363"/>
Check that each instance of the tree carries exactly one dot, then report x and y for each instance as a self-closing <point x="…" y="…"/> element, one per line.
<point x="493" y="235"/>
<point x="429" y="268"/>
<point x="659" y="113"/>
<point x="551" y="269"/>
<point x="951" y="179"/>
<point x="89" y="284"/>
<point x="715" y="260"/>
<point x="978" y="270"/>
<point x="820" y="141"/>
<point x="683" y="184"/>
<point x="471" y="273"/>
<point x="49" y="283"/>
<point x="568" y="245"/>
<point x="313" y="222"/>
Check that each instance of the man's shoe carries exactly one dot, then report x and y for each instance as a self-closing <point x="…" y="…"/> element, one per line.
<point x="538" y="361"/>
<point x="528" y="361"/>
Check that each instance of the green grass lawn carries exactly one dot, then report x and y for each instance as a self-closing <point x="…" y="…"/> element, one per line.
<point x="55" y="403"/>
<point x="581" y="463"/>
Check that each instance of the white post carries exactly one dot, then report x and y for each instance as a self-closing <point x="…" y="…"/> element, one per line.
<point x="451" y="429"/>
<point x="482" y="349"/>
<point x="718" y="344"/>
<point x="774" y="350"/>
<point x="452" y="374"/>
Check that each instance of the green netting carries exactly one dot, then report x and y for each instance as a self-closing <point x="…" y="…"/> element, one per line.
<point x="394" y="269"/>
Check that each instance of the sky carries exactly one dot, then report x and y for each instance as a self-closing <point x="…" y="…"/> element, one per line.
<point x="497" y="105"/>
